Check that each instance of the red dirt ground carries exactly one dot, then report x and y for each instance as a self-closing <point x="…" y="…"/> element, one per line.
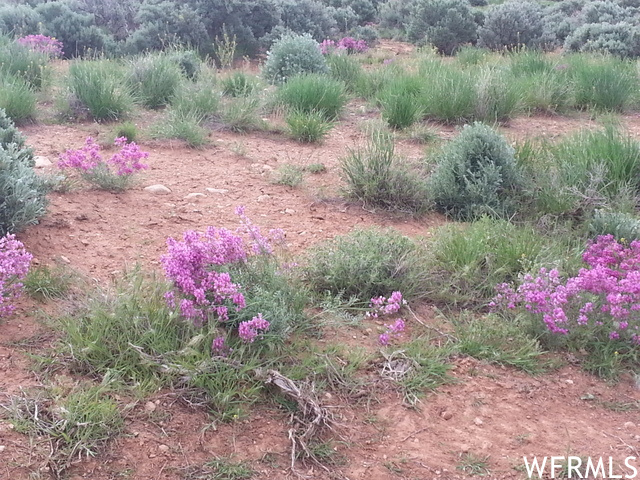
<point x="489" y="411"/>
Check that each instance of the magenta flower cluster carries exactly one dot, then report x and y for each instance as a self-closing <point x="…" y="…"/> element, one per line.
<point x="383" y="306"/>
<point x="605" y="295"/>
<point x="42" y="44"/>
<point x="190" y="265"/>
<point x="88" y="159"/>
<point x="386" y="306"/>
<point x="347" y="44"/>
<point x="202" y="290"/>
<point x="248" y="331"/>
<point x="14" y="266"/>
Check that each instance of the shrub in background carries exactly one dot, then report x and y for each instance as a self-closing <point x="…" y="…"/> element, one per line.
<point x="188" y="61"/>
<point x="512" y="24"/>
<point x="293" y="55"/>
<point x="376" y="176"/>
<point x="154" y="79"/>
<point x="621" y="39"/>
<point x="19" y="20"/>
<point x="307" y="16"/>
<point x="476" y="174"/>
<point x="100" y="88"/>
<point x="318" y="93"/>
<point x="445" y="24"/>
<point x="22" y="192"/>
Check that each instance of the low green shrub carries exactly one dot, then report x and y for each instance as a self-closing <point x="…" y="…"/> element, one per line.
<point x="22" y="192"/>
<point x="293" y="55"/>
<point x="314" y="93"/>
<point x="376" y="176"/>
<point x="476" y="174"/>
<point x="623" y="226"/>
<point x="100" y="88"/>
<point x="619" y="39"/>
<point x="364" y="264"/>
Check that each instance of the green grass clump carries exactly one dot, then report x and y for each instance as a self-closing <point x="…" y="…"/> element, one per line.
<point x="364" y="264"/>
<point x="496" y="340"/>
<point x="200" y="99"/>
<point x="242" y="114"/>
<point x="603" y="83"/>
<point x="466" y="262"/>
<point x="185" y="126"/>
<point x="239" y="84"/>
<point x="77" y="423"/>
<point x="497" y="96"/>
<point x="289" y="175"/>
<point x="376" y="176"/>
<point x="346" y="69"/>
<point x="99" y="87"/>
<point x="308" y="127"/>
<point x="154" y="79"/>
<point x="20" y="61"/>
<point x="449" y="95"/>
<point x="46" y="283"/>
<point x="470" y="56"/>
<point x="399" y="102"/>
<point x="17" y="99"/>
<point x="308" y="93"/>
<point x="547" y="92"/>
<point x="128" y="130"/>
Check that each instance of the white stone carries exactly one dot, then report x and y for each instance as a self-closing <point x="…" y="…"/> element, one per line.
<point x="42" y="162"/>
<point x="220" y="191"/>
<point x="157" y="189"/>
<point x="194" y="196"/>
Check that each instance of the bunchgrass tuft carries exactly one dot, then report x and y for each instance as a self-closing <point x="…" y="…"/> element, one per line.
<point x="20" y="61"/>
<point x="289" y="175"/>
<point x="239" y="84"/>
<point x="308" y="93"/>
<point x="241" y="114"/>
<point x="98" y="86"/>
<point x="17" y="99"/>
<point x="449" y="95"/>
<point x="376" y="176"/>
<point x="347" y="69"/>
<point x="180" y="125"/>
<point x="154" y="79"/>
<point x="46" y="283"/>
<point x="307" y="127"/>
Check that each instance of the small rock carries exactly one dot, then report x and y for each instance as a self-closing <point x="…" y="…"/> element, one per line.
<point x="152" y="455"/>
<point x="328" y="396"/>
<point x="629" y="425"/>
<point x="150" y="407"/>
<point x="267" y="168"/>
<point x="2" y="448"/>
<point x="263" y="198"/>
<point x="569" y="381"/>
<point x="42" y="162"/>
<point x="478" y="421"/>
<point x="447" y="415"/>
<point x="194" y="196"/>
<point x="64" y="259"/>
<point x="157" y="189"/>
<point x="163" y="448"/>
<point x="220" y="191"/>
<point x="289" y="211"/>
<point x="486" y="445"/>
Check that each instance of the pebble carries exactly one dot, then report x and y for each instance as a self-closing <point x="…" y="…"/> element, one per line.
<point x="194" y="196"/>
<point x="570" y="382"/>
<point x="163" y="448"/>
<point x="2" y="448"/>
<point x="629" y="425"/>
<point x="157" y="189"/>
<point x="42" y="162"/>
<point x="263" y="198"/>
<point x="220" y="191"/>
<point x="289" y="211"/>
<point x="64" y="259"/>
<point x="447" y="415"/>
<point x="150" y="407"/>
<point x="478" y="421"/>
